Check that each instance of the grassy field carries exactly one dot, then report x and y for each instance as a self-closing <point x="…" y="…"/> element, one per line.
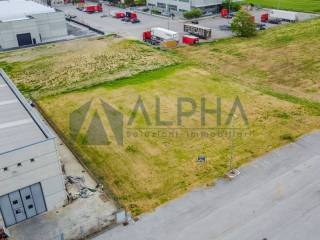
<point x="295" y="5"/>
<point x="63" y="67"/>
<point x="275" y="75"/>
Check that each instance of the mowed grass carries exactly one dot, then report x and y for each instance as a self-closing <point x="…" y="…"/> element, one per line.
<point x="295" y="5"/>
<point x="285" y="59"/>
<point x="150" y="170"/>
<point x="62" y="67"/>
<point x="275" y="75"/>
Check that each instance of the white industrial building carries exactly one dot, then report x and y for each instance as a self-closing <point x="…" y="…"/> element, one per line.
<point x="31" y="178"/>
<point x="24" y="23"/>
<point x="185" y="5"/>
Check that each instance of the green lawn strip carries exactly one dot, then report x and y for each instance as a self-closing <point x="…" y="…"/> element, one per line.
<point x="312" y="106"/>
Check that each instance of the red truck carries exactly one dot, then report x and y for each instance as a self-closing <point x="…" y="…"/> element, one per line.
<point x="93" y="8"/>
<point x="264" y="17"/>
<point x="224" y="12"/>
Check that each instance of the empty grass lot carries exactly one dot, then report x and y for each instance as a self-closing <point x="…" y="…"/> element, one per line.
<point x="295" y="5"/>
<point x="275" y="75"/>
<point x="56" y="68"/>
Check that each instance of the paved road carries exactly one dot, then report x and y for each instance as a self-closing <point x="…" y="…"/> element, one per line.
<point x="277" y="197"/>
<point x="112" y="25"/>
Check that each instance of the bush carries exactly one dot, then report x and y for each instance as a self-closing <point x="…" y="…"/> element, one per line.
<point x="155" y="11"/>
<point x="140" y="2"/>
<point x="243" y="24"/>
<point x="194" y="13"/>
<point x="234" y="6"/>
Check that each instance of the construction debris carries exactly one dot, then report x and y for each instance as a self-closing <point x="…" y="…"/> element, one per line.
<point x="81" y="190"/>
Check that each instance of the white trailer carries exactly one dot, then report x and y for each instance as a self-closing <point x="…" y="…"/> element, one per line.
<point x="164" y="34"/>
<point x="284" y="15"/>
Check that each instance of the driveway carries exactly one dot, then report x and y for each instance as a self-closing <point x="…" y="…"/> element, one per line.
<point x="276" y="197"/>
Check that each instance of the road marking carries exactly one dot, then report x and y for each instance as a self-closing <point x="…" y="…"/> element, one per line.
<point x="8" y="102"/>
<point x="15" y="123"/>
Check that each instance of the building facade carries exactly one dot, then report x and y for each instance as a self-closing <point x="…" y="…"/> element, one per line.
<point x="31" y="178"/>
<point x="24" y="23"/>
<point x="185" y="5"/>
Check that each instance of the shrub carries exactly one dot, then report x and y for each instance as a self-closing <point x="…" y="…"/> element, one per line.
<point x="287" y="137"/>
<point x="140" y="2"/>
<point x="155" y="11"/>
<point x="243" y="24"/>
<point x="234" y="6"/>
<point x="193" y="13"/>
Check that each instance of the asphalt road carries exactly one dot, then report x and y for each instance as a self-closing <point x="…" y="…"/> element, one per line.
<point x="276" y="197"/>
<point x="112" y="25"/>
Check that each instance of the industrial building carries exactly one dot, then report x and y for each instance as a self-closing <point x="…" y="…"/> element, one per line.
<point x="184" y="5"/>
<point x="24" y="23"/>
<point x="31" y="178"/>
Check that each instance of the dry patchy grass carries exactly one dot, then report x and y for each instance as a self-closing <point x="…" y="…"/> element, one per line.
<point x="148" y="171"/>
<point x="62" y="67"/>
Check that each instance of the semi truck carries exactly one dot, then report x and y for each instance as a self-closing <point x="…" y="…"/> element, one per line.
<point x="157" y="35"/>
<point x="283" y="15"/>
<point x="196" y="30"/>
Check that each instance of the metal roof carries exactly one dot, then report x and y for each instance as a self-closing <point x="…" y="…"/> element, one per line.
<point x="21" y="9"/>
<point x="19" y="125"/>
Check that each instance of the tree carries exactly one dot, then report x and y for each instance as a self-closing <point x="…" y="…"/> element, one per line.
<point x="243" y="24"/>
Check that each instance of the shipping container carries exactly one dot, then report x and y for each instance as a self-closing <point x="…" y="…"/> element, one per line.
<point x="190" y="40"/>
<point x="199" y="31"/>
<point x="164" y="34"/>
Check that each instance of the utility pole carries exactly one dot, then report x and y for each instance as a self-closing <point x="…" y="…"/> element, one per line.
<point x="232" y="142"/>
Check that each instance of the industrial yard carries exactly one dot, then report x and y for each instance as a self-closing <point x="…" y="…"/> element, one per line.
<point x="136" y="109"/>
<point x="285" y="106"/>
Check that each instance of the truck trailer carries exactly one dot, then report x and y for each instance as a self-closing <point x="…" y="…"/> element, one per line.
<point x="283" y="15"/>
<point x="196" y="30"/>
<point x="158" y="35"/>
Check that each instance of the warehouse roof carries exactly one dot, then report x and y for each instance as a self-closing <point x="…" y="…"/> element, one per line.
<point x="21" y="9"/>
<point x="19" y="126"/>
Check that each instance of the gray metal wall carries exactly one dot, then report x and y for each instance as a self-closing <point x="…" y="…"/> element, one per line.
<point x="43" y="28"/>
<point x="45" y="168"/>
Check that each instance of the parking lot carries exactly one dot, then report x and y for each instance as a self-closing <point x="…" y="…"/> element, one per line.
<point x="108" y="24"/>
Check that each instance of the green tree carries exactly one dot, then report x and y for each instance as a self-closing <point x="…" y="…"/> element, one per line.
<point x="243" y="24"/>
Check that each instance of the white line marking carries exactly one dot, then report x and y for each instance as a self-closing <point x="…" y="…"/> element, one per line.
<point x="15" y="123"/>
<point x="8" y="102"/>
<point x="3" y="85"/>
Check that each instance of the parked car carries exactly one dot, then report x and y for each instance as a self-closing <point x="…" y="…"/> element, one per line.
<point x="195" y="22"/>
<point x="166" y="14"/>
<point x="225" y="27"/>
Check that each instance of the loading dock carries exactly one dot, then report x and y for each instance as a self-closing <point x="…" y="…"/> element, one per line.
<point x="22" y="204"/>
<point x="24" y="39"/>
